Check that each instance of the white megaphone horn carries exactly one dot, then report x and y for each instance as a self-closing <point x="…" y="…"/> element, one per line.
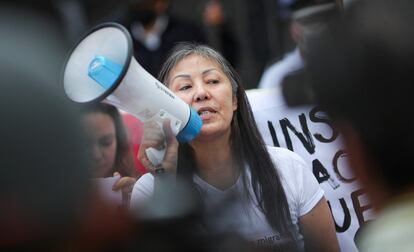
<point x="101" y="68"/>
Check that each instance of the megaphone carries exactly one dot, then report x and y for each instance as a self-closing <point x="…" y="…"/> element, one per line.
<point x="101" y="68"/>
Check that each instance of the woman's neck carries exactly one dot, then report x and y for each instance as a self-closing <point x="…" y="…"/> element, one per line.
<point x="215" y="162"/>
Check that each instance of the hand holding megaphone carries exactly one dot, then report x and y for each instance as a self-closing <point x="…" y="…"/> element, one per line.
<point x="159" y="147"/>
<point x="101" y="68"/>
<point x="156" y="130"/>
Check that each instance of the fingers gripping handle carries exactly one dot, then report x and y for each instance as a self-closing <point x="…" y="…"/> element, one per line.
<point x="156" y="156"/>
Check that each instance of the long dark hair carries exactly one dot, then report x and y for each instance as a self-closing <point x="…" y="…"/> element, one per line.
<point x="124" y="163"/>
<point x="249" y="148"/>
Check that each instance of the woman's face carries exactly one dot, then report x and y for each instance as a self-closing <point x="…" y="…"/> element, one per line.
<point x="101" y="133"/>
<point x="201" y="83"/>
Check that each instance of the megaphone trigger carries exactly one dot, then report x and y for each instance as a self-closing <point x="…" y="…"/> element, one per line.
<point x="175" y="123"/>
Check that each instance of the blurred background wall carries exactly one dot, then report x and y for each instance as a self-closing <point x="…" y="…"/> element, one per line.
<point x="259" y="27"/>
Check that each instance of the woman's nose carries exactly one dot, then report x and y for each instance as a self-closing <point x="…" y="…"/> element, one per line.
<point x="201" y="95"/>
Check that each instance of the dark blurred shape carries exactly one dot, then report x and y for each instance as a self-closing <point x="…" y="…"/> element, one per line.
<point x="312" y="18"/>
<point x="296" y="88"/>
<point x="45" y="192"/>
<point x="176" y="219"/>
<point x="183" y="234"/>
<point x="44" y="182"/>
<point x="362" y="70"/>
<point x="362" y="74"/>
<point x="32" y="41"/>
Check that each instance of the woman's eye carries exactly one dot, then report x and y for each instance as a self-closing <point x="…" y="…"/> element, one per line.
<point x="185" y="87"/>
<point x="213" y="81"/>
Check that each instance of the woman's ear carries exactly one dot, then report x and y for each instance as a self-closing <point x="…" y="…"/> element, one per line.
<point x="234" y="103"/>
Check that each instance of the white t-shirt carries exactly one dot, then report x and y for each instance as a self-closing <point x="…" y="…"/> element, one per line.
<point x="233" y="211"/>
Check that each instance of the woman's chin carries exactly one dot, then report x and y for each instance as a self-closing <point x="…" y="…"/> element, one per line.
<point x="206" y="130"/>
<point x="209" y="132"/>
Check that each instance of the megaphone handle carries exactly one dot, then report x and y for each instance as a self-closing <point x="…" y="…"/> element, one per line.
<point x="155" y="156"/>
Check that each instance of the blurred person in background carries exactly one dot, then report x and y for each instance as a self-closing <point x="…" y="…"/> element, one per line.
<point x="108" y="145"/>
<point x="155" y="31"/>
<point x="219" y="33"/>
<point x="361" y="73"/>
<point x="278" y="202"/>
<point x="308" y="18"/>
<point x="134" y="128"/>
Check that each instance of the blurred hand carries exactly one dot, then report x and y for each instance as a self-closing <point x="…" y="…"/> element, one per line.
<point x="154" y="137"/>
<point x="125" y="184"/>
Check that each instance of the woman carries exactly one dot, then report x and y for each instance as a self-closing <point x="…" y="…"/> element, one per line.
<point x="109" y="147"/>
<point x="280" y="203"/>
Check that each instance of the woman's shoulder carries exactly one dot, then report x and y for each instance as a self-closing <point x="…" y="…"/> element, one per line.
<point x="289" y="165"/>
<point x="300" y="184"/>
<point x="283" y="157"/>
